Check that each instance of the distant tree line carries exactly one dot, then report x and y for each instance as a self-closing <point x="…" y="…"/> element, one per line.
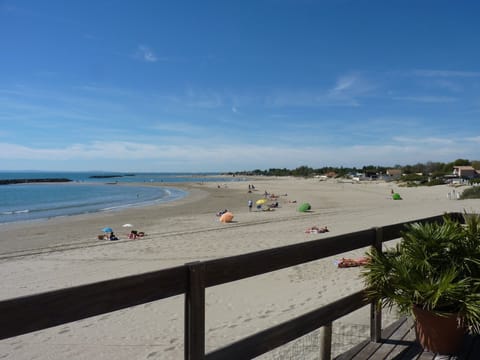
<point x="434" y="169"/>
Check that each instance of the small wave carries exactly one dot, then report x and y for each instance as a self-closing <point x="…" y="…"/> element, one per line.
<point x="15" y="212"/>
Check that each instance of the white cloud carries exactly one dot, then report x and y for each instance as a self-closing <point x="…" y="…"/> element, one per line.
<point x="475" y="139"/>
<point x="217" y="156"/>
<point x="206" y="99"/>
<point x="425" y="140"/>
<point x="426" y="99"/>
<point x="344" y="83"/>
<point x="146" y="54"/>
<point x="446" y="73"/>
<point x="302" y="98"/>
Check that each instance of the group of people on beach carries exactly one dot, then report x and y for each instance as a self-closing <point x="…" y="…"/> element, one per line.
<point x="108" y="236"/>
<point x="112" y="237"/>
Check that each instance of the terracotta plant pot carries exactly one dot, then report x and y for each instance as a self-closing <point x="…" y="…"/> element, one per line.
<point x="438" y="334"/>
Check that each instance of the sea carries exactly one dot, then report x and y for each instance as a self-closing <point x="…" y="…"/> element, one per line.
<point x="89" y="192"/>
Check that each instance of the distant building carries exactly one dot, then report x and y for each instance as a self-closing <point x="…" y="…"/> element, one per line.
<point x="465" y="172"/>
<point x="394" y="173"/>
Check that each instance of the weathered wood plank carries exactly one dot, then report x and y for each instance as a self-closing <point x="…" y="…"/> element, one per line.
<point x="412" y="352"/>
<point x="326" y="342"/>
<point x="361" y="348"/>
<point x="375" y="310"/>
<point x="397" y="343"/>
<point x="238" y="267"/>
<point x="195" y="312"/>
<point x="426" y="355"/>
<point x="283" y="333"/>
<point x="393" y="231"/>
<point x="35" y="312"/>
<point x="372" y="347"/>
<point x="353" y="351"/>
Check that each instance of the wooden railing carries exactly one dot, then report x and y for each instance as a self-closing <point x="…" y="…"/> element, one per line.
<point x="35" y="312"/>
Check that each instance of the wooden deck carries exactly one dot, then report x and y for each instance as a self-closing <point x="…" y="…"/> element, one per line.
<point x="398" y="343"/>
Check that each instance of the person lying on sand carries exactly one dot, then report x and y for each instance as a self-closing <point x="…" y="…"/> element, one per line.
<point x="348" y="262"/>
<point x="316" y="230"/>
<point x="221" y="212"/>
<point x="134" y="234"/>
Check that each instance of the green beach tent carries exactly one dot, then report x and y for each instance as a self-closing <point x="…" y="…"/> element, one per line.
<point x="304" y="207"/>
<point x="396" y="196"/>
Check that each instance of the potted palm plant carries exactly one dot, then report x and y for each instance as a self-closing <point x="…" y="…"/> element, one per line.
<point x="433" y="273"/>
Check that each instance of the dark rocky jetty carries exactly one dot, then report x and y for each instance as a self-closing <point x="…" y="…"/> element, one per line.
<point x="104" y="176"/>
<point x="31" y="181"/>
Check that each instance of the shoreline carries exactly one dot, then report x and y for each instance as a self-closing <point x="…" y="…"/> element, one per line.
<point x="179" y="194"/>
<point x="67" y="253"/>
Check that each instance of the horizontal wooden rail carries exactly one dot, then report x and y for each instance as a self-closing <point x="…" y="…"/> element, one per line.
<point x="35" y="312"/>
<point x="238" y="267"/>
<point x="283" y="333"/>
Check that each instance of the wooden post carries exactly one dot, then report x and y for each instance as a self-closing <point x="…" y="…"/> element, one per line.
<point x="195" y="312"/>
<point x="326" y="342"/>
<point x="375" y="312"/>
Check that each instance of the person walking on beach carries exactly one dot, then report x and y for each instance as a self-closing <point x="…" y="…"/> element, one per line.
<point x="250" y="204"/>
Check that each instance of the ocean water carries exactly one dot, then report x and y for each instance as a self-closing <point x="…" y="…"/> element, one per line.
<point x="26" y="202"/>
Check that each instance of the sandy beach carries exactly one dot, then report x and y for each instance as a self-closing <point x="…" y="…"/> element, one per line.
<point x="63" y="252"/>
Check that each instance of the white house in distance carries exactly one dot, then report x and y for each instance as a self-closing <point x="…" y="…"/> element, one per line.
<point x="465" y="172"/>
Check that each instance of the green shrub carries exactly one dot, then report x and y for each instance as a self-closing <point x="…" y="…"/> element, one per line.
<point x="471" y="193"/>
<point x="434" y="182"/>
<point x="415" y="177"/>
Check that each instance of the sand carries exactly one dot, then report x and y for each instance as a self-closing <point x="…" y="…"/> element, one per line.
<point x="63" y="252"/>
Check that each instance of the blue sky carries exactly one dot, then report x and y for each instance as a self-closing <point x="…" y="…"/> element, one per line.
<point x="237" y="85"/>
